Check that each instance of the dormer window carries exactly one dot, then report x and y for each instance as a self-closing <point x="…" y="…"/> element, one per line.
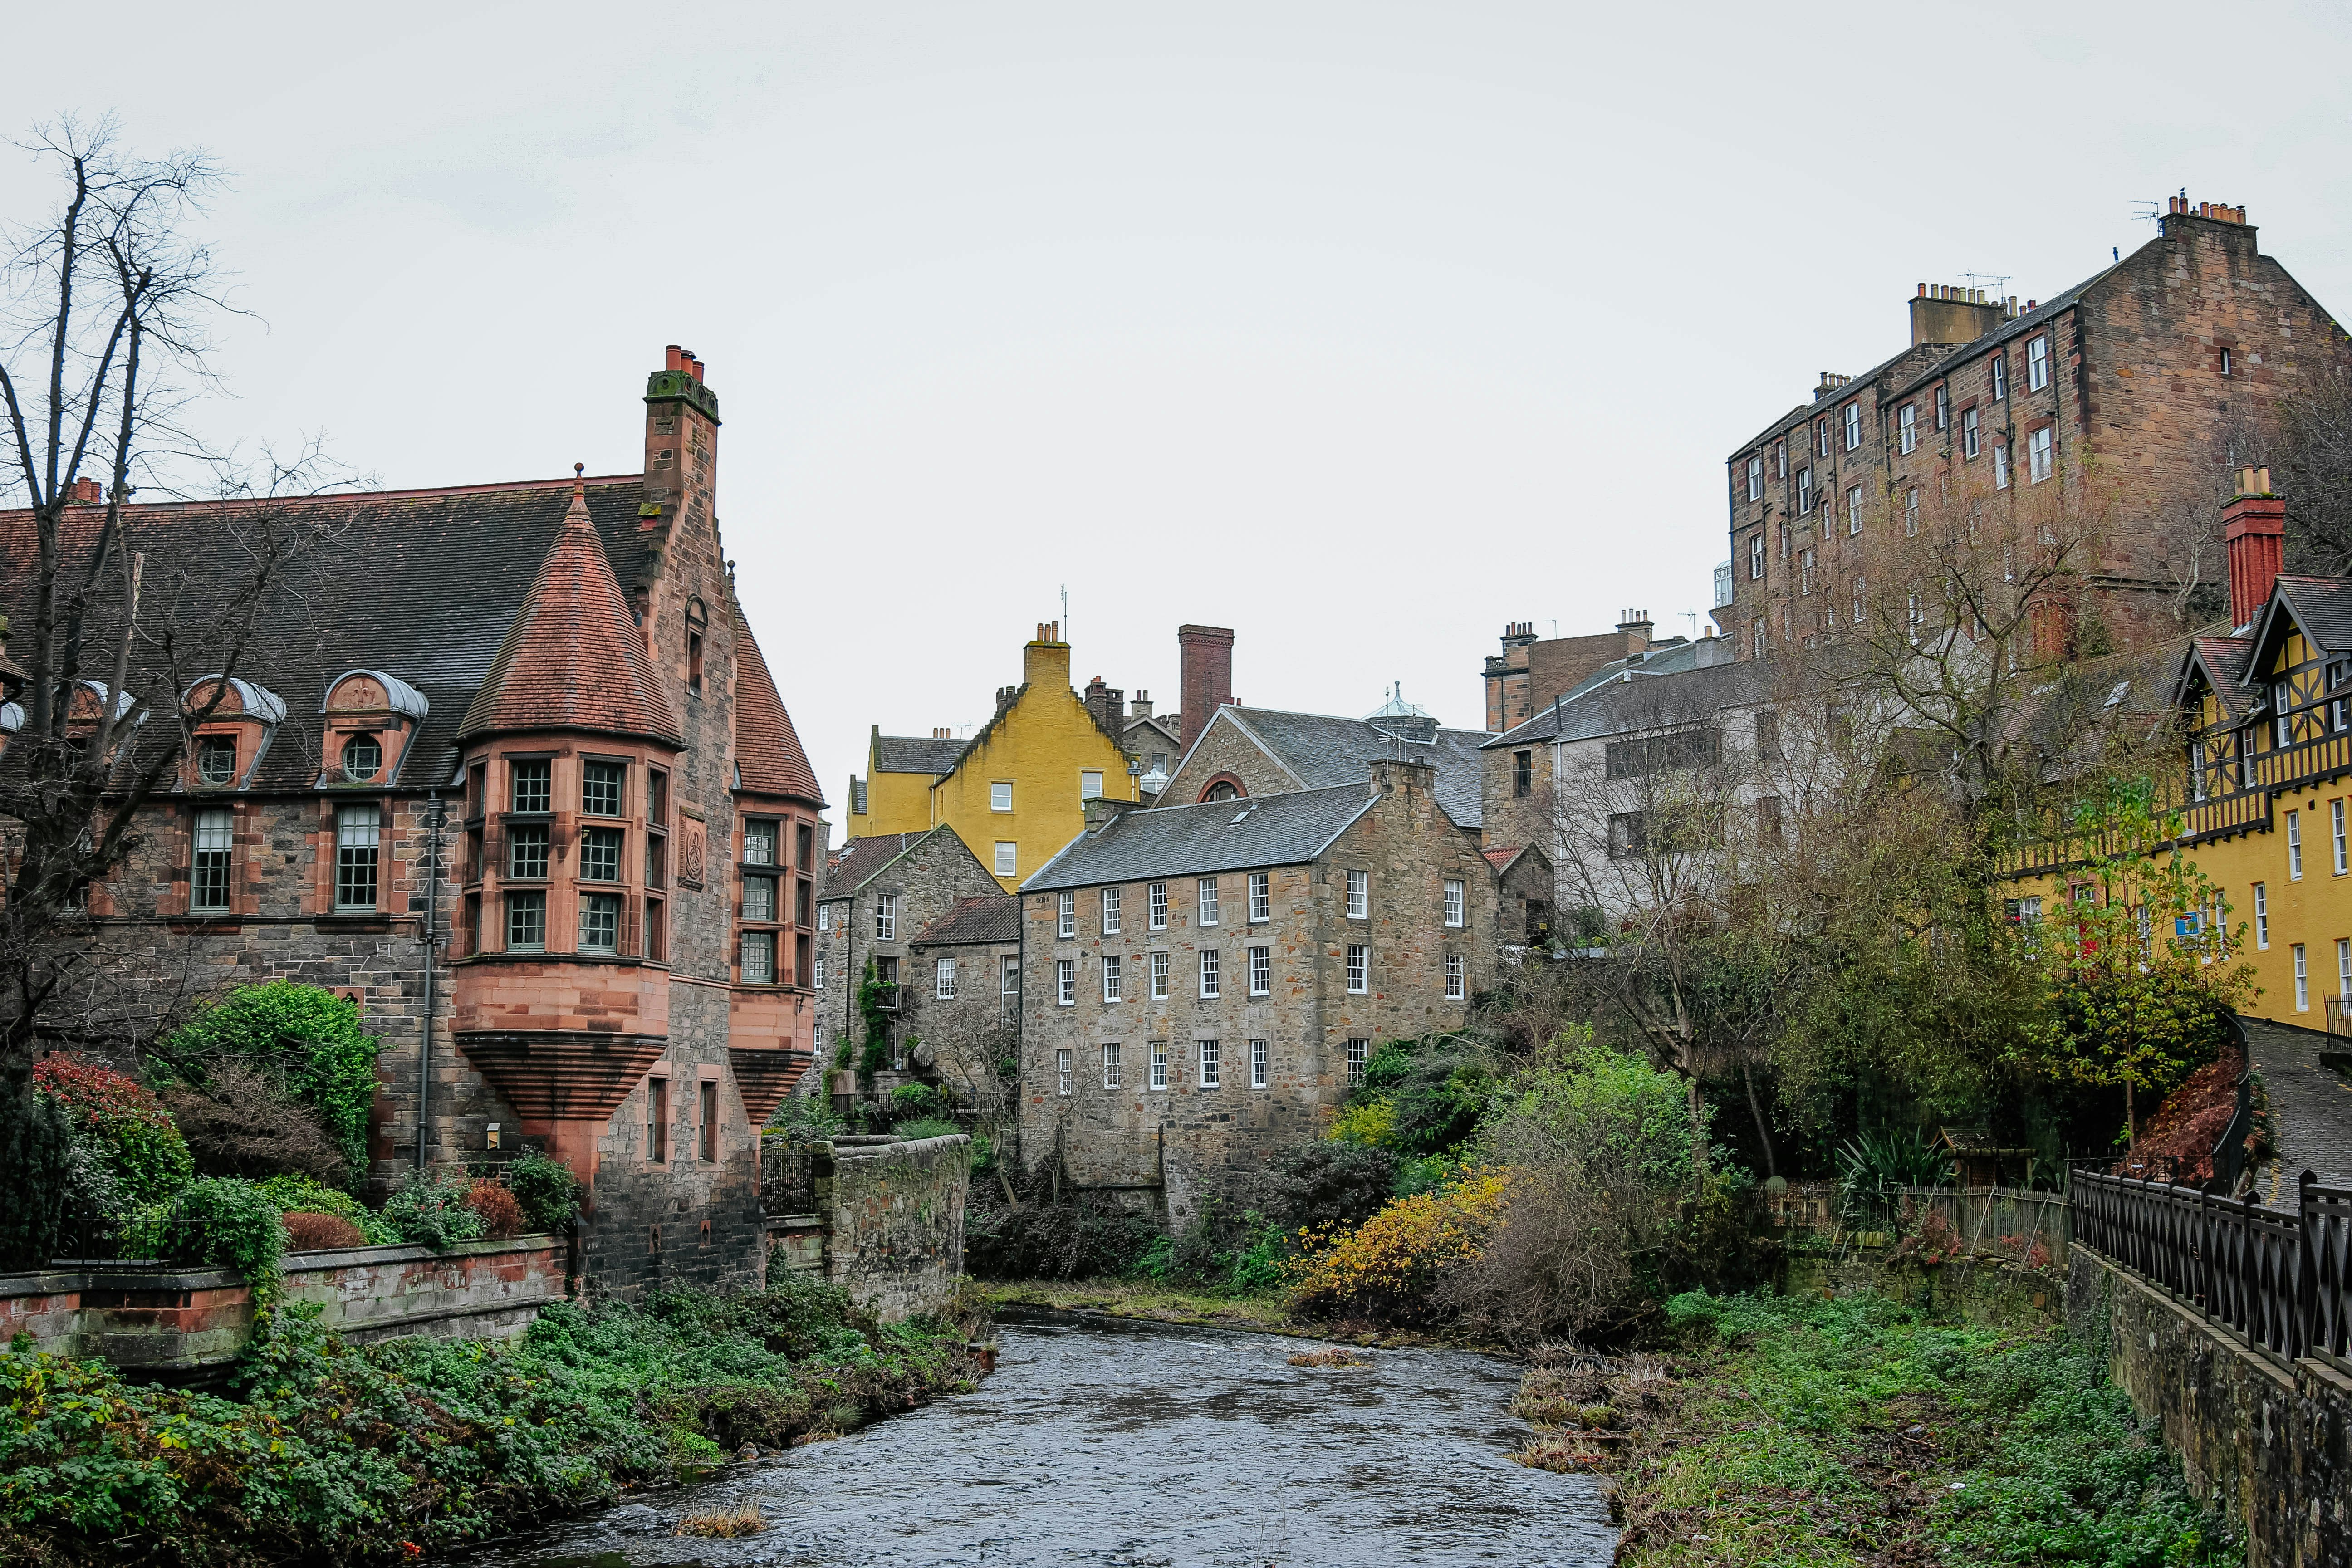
<point x="363" y="758"/>
<point x="216" y="760"/>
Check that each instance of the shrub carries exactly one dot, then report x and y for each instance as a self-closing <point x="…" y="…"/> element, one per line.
<point x="300" y="1194"/>
<point x="36" y="1157"/>
<point x="502" y="1216"/>
<point x="926" y="1127"/>
<point x="547" y="1190"/>
<point x="1872" y="1164"/>
<point x="118" y="1123"/>
<point x="1074" y="1235"/>
<point x="222" y="1221"/>
<point x="242" y="1121"/>
<point x="1387" y="1268"/>
<point x="808" y="1117"/>
<point x="1323" y="1186"/>
<point x="431" y="1210"/>
<point x="307" y="1038"/>
<point x="915" y="1101"/>
<point x="1370" y="1121"/>
<point x="307" y="1232"/>
<point x="1436" y="1089"/>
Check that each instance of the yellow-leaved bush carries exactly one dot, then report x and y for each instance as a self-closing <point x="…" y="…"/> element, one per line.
<point x="1385" y="1268"/>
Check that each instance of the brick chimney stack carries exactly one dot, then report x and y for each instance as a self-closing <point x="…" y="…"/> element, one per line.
<point x="1205" y="658"/>
<point x="1636" y="626"/>
<point x="2253" y="526"/>
<point x="681" y="445"/>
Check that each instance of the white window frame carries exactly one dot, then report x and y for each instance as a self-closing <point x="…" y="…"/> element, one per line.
<point x="2262" y="916"/>
<point x="944" y="981"/>
<point x="1210" y="1054"/>
<point x="1156" y="896"/>
<point x="885" y="917"/>
<point x="1065" y="915"/>
<point x="1853" y="426"/>
<point x="1971" y="434"/>
<point x="1359" y="969"/>
<point x="2040" y="453"/>
<point x="2335" y="816"/>
<point x="2294" y="847"/>
<point x="1943" y="407"/>
<point x="1359" y="895"/>
<point x="1159" y="1065"/>
<point x="1907" y="425"/>
<point x="1911" y="513"/>
<point x="999" y="795"/>
<point x="360" y="826"/>
<point x="1111" y="977"/>
<point x="1756" y="556"/>
<point x="2001" y="465"/>
<point x="212" y="859"/>
<point x="1261" y="972"/>
<point x="1756" y="478"/>
<point x="1456" y="902"/>
<point x="1065" y="982"/>
<point x="2302" y="980"/>
<point x="1999" y="377"/>
<point x="824" y="916"/>
<point x="1260" y="1063"/>
<point x="2037" y="362"/>
<point x="1112" y="900"/>
<point x="1062" y="1068"/>
<point x="1090" y="783"/>
<point x="1261" y="898"/>
<point x="2344" y="968"/>
<point x="1360" y="1052"/>
<point x="1110" y="1064"/>
<point x="1456" y="981"/>
<point x="1804" y="490"/>
<point x="1159" y="977"/>
<point x="1205" y="900"/>
<point x="818" y="967"/>
<point x="1213" y="979"/>
<point x="1853" y="509"/>
<point x="1008" y="857"/>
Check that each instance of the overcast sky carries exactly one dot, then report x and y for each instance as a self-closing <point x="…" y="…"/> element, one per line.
<point x="1360" y="327"/>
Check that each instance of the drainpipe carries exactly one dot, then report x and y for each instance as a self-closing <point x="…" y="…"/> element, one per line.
<point x="433" y="820"/>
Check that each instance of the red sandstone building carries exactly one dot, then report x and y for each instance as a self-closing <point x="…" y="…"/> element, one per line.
<point x="612" y="954"/>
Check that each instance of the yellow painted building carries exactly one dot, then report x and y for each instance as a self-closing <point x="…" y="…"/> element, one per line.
<point x="1016" y="792"/>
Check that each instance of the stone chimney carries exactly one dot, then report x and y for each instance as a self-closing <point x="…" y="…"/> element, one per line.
<point x="1102" y="811"/>
<point x="1945" y="313"/>
<point x="1045" y="662"/>
<point x="1105" y="703"/>
<point x="1205" y="657"/>
<point x="1635" y="627"/>
<point x="1141" y="707"/>
<point x="681" y="445"/>
<point x="2253" y="526"/>
<point x="1392" y="775"/>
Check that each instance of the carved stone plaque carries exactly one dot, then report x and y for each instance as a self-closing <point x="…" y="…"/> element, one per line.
<point x="693" y="838"/>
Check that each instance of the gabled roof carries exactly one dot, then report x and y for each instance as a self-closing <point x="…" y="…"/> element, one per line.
<point x="2222" y="663"/>
<point x="1643" y="699"/>
<point x="917" y="754"/>
<point x="993" y="919"/>
<point x="1264" y="830"/>
<point x="863" y="859"/>
<point x="573" y="658"/>
<point x="1323" y="751"/>
<point x="1503" y="860"/>
<point x="768" y="752"/>
<point x="2322" y="607"/>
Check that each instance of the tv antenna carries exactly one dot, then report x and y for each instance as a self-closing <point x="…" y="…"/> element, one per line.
<point x="1996" y="280"/>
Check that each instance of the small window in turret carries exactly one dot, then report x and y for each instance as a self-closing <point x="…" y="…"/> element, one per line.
<point x="599" y="788"/>
<point x="532" y="782"/>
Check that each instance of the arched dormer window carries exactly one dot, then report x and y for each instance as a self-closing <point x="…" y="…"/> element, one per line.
<point x="370" y="718"/>
<point x="232" y="720"/>
<point x="698" y="625"/>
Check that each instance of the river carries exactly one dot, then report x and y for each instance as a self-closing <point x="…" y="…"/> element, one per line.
<point x="1118" y="1445"/>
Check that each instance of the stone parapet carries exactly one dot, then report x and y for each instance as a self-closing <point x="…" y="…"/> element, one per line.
<point x="894" y="1212"/>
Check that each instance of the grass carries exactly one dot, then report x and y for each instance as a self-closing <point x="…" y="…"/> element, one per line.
<point x="1155" y="1302"/>
<point x="1804" y="1432"/>
<point x="724" y="1524"/>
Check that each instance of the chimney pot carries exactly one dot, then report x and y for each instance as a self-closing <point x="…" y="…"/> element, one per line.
<point x="674" y="358"/>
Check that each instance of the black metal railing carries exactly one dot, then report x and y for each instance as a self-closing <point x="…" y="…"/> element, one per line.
<point x="2277" y="1278"/>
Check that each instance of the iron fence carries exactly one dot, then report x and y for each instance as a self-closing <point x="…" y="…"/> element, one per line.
<point x="2277" y="1278"/>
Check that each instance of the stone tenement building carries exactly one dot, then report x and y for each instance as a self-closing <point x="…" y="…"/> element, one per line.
<point x="880" y="894"/>
<point x="2145" y="378"/>
<point x="623" y="903"/>
<point x="1532" y="672"/>
<point x="1203" y="982"/>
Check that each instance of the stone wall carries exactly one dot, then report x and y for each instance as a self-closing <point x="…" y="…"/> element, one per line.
<point x="897" y="1216"/>
<point x="182" y="1323"/>
<point x="2269" y="1443"/>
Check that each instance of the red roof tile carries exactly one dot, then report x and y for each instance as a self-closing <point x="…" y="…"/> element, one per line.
<point x="767" y="748"/>
<point x="573" y="658"/>
<point x="1501" y="859"/>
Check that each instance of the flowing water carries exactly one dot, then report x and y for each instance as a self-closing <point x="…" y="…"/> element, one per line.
<point x="1118" y="1445"/>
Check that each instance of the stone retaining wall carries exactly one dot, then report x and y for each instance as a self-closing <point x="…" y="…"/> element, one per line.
<point x="896" y="1216"/>
<point x="152" y="1319"/>
<point x="2268" y="1442"/>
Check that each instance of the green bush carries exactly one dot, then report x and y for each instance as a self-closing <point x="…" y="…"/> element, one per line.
<point x="1329" y="1184"/>
<point x="915" y="1101"/>
<point x="547" y="1190"/>
<point x="431" y="1209"/>
<point x="217" y="1222"/>
<point x="926" y="1127"/>
<point x="808" y="1117"/>
<point x="308" y="1037"/>
<point x="124" y="1140"/>
<point x="36" y="1157"/>
<point x="302" y="1194"/>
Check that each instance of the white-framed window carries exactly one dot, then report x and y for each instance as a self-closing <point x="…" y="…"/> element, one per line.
<point x="1858" y="588"/>
<point x="1260" y="1065"/>
<point x="1853" y="509"/>
<point x="1159" y="977"/>
<point x="2262" y="916"/>
<point x="1062" y="1069"/>
<point x="356" y="829"/>
<point x="1971" y="438"/>
<point x="1212" y="1064"/>
<point x="2037" y="362"/>
<point x="1999" y="377"/>
<point x="885" y="917"/>
<point x="1943" y="408"/>
<point x="1359" y="895"/>
<point x="2040" y="448"/>
<point x="209" y="871"/>
<point x="820" y="1040"/>
<point x="1111" y="972"/>
<point x="946" y="979"/>
<point x="1065" y="982"/>
<point x="2302" y="981"/>
<point x="1261" y="971"/>
<point x="1454" y="983"/>
<point x="1212" y="980"/>
<point x="1066" y="913"/>
<point x="824" y="916"/>
<point x="2001" y="465"/>
<point x="1779" y="459"/>
<point x="1110" y="1064"/>
<point x="1911" y="513"/>
<point x="1360" y="968"/>
<point x="1359" y="1053"/>
<point x="1205" y="901"/>
<point x="2335" y="816"/>
<point x="1756" y="479"/>
<point x="1157" y="895"/>
<point x="1008" y="857"/>
<point x="2225" y="362"/>
<point x="1907" y="428"/>
<point x="1111" y="903"/>
<point x="2344" y="968"/>
<point x="1804" y="491"/>
<point x="1805" y="573"/>
<point x="2294" y="847"/>
<point x="1008" y="991"/>
<point x="759" y="952"/>
<point x="1160" y="1064"/>
<point x="1000" y="797"/>
<point x="2283" y="711"/>
<point x="1454" y="903"/>
<point x="819" y="968"/>
<point x="1089" y="785"/>
<point x="1852" y="426"/>
<point x="1821" y="436"/>
<point x="1261" y="897"/>
<point x="1756" y="556"/>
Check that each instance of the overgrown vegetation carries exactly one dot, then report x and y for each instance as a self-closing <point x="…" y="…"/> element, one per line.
<point x="260" y="1053"/>
<point x="337" y="1452"/>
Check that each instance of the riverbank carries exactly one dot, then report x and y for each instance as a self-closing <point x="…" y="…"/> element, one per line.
<point x="1146" y="1301"/>
<point x="1800" y="1431"/>
<point x="390" y="1451"/>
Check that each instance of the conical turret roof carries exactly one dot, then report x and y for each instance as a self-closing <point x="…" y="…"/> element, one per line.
<point x="573" y="658"/>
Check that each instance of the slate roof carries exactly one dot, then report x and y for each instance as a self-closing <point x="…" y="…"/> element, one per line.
<point x="1324" y="750"/>
<point x="2322" y="606"/>
<point x="573" y="658"/>
<point x="1643" y="699"/>
<point x="917" y="754"/>
<point x="421" y="584"/>
<point x="995" y="918"/>
<point x="768" y="752"/>
<point x="862" y="860"/>
<point x="1262" y="830"/>
<point x="2223" y="660"/>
